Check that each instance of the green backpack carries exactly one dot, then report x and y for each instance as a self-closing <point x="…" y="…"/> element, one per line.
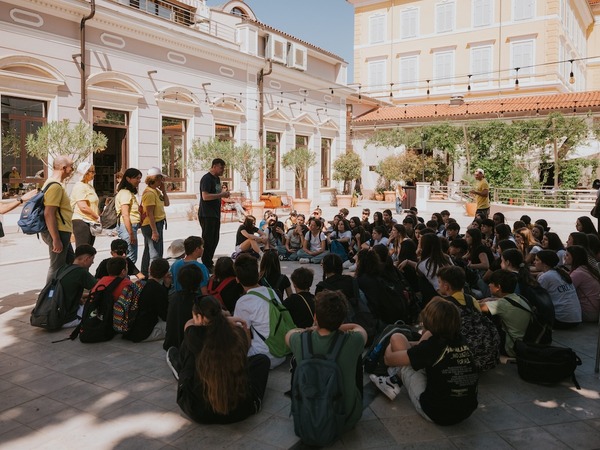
<point x="280" y="322"/>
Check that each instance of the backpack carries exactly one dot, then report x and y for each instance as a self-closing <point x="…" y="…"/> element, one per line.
<point x="339" y="249"/>
<point x="318" y="393"/>
<point x="216" y="291"/>
<point x="280" y="322"/>
<point x="373" y="360"/>
<point x="480" y="334"/>
<point x="545" y="364"/>
<point x="32" y="219"/>
<point x="109" y="217"/>
<point x="97" y="320"/>
<point x="126" y="307"/>
<point x="537" y="331"/>
<point x="360" y="313"/>
<point x="50" y="310"/>
<point x="537" y="297"/>
<point x="396" y="301"/>
<point x="264" y="282"/>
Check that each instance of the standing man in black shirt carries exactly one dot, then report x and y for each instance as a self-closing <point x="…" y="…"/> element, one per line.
<point x="209" y="214"/>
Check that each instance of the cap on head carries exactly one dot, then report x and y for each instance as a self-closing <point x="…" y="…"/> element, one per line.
<point x="176" y="249"/>
<point x="153" y="171"/>
<point x="480" y="171"/>
<point x="83" y="167"/>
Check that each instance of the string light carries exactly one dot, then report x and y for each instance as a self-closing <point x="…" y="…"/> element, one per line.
<point x="427" y="87"/>
<point x="571" y="74"/>
<point x="517" y="78"/>
<point x="391" y="87"/>
<point x="469" y="83"/>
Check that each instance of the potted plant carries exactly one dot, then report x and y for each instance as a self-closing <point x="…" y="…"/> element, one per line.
<point x="248" y="160"/>
<point x="347" y="168"/>
<point x="60" y="138"/>
<point x="299" y="160"/>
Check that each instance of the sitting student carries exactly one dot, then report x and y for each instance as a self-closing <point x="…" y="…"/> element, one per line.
<point x="75" y="281"/>
<point x="331" y="309"/>
<point x="150" y="321"/>
<point x="223" y="284"/>
<point x="453" y="231"/>
<point x="218" y="383"/>
<point x="270" y="275"/>
<point x="254" y="309"/>
<point x="275" y="235"/>
<point x="514" y="320"/>
<point x="194" y="248"/>
<point x="333" y="280"/>
<point x="452" y="282"/>
<point x="301" y="305"/>
<point x="118" y="247"/>
<point x="377" y="237"/>
<point x="248" y="237"/>
<point x="313" y="244"/>
<point x="293" y="242"/>
<point x="180" y="304"/>
<point x="116" y="267"/>
<point x="446" y="391"/>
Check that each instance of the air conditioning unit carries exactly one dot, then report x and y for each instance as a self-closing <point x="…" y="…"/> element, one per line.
<point x="297" y="56"/>
<point x="276" y="49"/>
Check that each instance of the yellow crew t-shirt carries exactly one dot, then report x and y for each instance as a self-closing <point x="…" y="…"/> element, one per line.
<point x="151" y="197"/>
<point x="57" y="196"/>
<point x="126" y="197"/>
<point x="84" y="191"/>
<point x="483" y="201"/>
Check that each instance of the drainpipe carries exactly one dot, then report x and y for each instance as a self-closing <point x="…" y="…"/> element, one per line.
<point x="261" y="120"/>
<point x="82" y="46"/>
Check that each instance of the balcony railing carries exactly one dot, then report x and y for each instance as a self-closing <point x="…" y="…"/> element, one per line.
<point x="197" y="15"/>
<point x="544" y="198"/>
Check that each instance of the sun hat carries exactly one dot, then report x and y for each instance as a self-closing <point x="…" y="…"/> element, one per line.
<point x="83" y="167"/>
<point x="176" y="249"/>
<point x="480" y="171"/>
<point x="153" y="171"/>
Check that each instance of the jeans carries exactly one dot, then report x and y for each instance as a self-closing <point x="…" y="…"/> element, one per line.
<point x="152" y="249"/>
<point x="211" y="227"/>
<point x="313" y="259"/>
<point x="398" y="205"/>
<point x="132" y="250"/>
<point x="57" y="260"/>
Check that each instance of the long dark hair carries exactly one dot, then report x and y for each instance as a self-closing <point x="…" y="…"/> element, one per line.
<point x="579" y="256"/>
<point x="367" y="263"/>
<point x="223" y="269"/>
<point x="270" y="267"/>
<point x="431" y="249"/>
<point x="515" y="258"/>
<point x="550" y="258"/>
<point x="475" y="235"/>
<point x="221" y="364"/>
<point x="587" y="225"/>
<point x="378" y="219"/>
<point x="124" y="184"/>
<point x="554" y="242"/>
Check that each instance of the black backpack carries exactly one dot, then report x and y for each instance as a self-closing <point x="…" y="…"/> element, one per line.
<point x="396" y="300"/>
<point x="109" y="217"/>
<point x="360" y="313"/>
<point x="373" y="360"/>
<point x="50" y="310"/>
<point x="480" y="333"/>
<point x="318" y="393"/>
<point x="97" y="320"/>
<point x="538" y="332"/>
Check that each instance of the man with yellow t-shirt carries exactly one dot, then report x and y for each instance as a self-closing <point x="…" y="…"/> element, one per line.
<point x="482" y="194"/>
<point x="58" y="214"/>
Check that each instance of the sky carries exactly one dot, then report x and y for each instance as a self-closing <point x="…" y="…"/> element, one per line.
<point x="328" y="24"/>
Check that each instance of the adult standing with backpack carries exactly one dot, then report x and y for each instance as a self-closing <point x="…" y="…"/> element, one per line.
<point x="334" y="376"/>
<point x="154" y="200"/>
<point x="128" y="210"/>
<point x="209" y="213"/>
<point x="84" y="202"/>
<point x="57" y="215"/>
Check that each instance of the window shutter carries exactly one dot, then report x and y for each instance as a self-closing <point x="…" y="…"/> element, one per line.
<point x="408" y="23"/>
<point x="376" y="75"/>
<point x="408" y="72"/>
<point x="376" y="28"/>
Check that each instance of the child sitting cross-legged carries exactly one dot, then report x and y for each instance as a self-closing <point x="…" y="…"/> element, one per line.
<point x="438" y="371"/>
<point x="301" y="305"/>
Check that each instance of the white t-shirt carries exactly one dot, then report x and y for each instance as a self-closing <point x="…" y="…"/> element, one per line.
<point x="342" y="235"/>
<point x="564" y="297"/>
<point x="314" y="241"/>
<point x="432" y="278"/>
<point x="255" y="311"/>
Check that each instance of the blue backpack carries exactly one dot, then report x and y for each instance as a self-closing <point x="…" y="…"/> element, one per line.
<point x="32" y="216"/>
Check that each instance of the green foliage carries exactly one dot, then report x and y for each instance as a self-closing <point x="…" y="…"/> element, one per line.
<point x="248" y="160"/>
<point x="347" y="168"/>
<point x="299" y="160"/>
<point x="61" y="139"/>
<point x="201" y="154"/>
<point x="412" y="167"/>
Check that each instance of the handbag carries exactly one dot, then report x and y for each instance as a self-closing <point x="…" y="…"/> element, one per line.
<point x="546" y="364"/>
<point x="96" y="229"/>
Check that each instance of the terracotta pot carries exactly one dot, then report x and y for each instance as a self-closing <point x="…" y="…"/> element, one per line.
<point x="302" y="205"/>
<point x="471" y="208"/>
<point x="344" y="201"/>
<point x="389" y="196"/>
<point x="258" y="209"/>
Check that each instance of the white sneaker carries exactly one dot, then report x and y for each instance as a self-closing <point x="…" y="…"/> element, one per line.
<point x="304" y="261"/>
<point x="391" y="390"/>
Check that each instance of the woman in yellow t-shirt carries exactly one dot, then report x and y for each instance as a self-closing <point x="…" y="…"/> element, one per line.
<point x="154" y="200"/>
<point x="84" y="202"/>
<point x="128" y="210"/>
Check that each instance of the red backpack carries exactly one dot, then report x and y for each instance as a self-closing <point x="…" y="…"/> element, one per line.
<point x="216" y="291"/>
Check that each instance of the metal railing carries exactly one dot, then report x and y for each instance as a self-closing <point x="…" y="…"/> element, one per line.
<point x="197" y="17"/>
<point x="544" y="198"/>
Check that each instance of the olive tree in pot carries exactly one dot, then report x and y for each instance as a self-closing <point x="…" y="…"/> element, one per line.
<point x="299" y="160"/>
<point x="347" y="168"/>
<point x="247" y="161"/>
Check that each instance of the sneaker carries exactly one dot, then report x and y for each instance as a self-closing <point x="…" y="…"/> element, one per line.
<point x="390" y="389"/>
<point x="304" y="261"/>
<point x="173" y="361"/>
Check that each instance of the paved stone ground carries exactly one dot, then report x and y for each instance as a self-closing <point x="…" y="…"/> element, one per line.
<point x="122" y="395"/>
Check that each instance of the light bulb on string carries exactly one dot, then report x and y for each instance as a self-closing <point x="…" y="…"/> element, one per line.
<point x="469" y="83"/>
<point x="571" y="74"/>
<point x="517" y="78"/>
<point x="427" y="87"/>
